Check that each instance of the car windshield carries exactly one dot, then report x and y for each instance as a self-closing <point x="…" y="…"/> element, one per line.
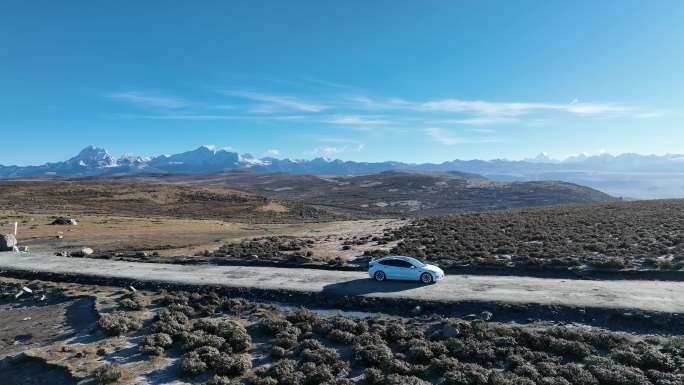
<point x="417" y="262"/>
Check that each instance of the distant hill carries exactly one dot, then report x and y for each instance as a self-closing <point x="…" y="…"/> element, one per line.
<point x="390" y="193"/>
<point x="131" y="199"/>
<point x="625" y="175"/>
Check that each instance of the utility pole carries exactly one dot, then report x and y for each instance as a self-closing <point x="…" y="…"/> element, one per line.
<point x="16" y="224"/>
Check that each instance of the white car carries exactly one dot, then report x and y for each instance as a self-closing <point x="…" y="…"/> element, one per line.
<point x="404" y="268"/>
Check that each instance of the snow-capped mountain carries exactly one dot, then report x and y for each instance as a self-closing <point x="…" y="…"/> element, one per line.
<point x="202" y="159"/>
<point x="92" y="158"/>
<point x="630" y="175"/>
<point x="542" y="157"/>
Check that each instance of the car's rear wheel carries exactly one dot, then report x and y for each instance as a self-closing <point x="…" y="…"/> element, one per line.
<point x="379" y="276"/>
<point x="426" y="278"/>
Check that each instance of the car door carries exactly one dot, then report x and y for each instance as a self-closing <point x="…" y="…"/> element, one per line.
<point x="388" y="266"/>
<point x="406" y="270"/>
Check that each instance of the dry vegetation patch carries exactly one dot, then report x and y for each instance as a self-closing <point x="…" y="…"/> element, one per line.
<point x="634" y="235"/>
<point x="214" y="339"/>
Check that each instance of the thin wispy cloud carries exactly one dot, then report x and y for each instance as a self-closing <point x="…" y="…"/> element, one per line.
<point x="448" y="137"/>
<point x="650" y="115"/>
<point x="443" y="136"/>
<point x="274" y="102"/>
<point x="273" y="152"/>
<point x="194" y="117"/>
<point x="486" y="108"/>
<point x="515" y="108"/>
<point x="208" y="117"/>
<point x="287" y="117"/>
<point x="449" y="121"/>
<point x="355" y="120"/>
<point x="327" y="83"/>
<point x="333" y="139"/>
<point x="479" y="121"/>
<point x="366" y="102"/>
<point x="148" y="100"/>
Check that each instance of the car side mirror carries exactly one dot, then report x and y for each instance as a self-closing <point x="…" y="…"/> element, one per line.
<point x="413" y="266"/>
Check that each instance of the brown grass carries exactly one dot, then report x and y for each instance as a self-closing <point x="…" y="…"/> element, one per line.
<point x="166" y="236"/>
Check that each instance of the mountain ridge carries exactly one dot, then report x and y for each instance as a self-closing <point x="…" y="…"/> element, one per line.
<point x="627" y="174"/>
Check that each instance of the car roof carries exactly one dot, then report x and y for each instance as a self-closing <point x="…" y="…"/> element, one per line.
<point x="402" y="257"/>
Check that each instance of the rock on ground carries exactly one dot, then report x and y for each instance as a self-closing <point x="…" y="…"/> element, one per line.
<point x="84" y="252"/>
<point x="7" y="242"/>
<point x="64" y="221"/>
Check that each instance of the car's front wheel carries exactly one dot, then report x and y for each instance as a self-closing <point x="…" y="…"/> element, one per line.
<point x="426" y="278"/>
<point x="379" y="276"/>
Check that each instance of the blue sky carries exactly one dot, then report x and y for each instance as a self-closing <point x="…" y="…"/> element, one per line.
<point x="413" y="81"/>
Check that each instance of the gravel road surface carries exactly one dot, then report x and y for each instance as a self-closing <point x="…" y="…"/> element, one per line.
<point x="663" y="296"/>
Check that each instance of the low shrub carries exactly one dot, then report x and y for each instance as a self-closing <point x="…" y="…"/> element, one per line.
<point x="271" y="325"/>
<point x="314" y="351"/>
<point x="609" y="372"/>
<point x="660" y="378"/>
<point x="370" y="350"/>
<point x="397" y="379"/>
<point x="235" y="335"/>
<point x="607" y="263"/>
<point x="176" y="297"/>
<point x="286" y="372"/>
<point x="181" y="308"/>
<point x="340" y="336"/>
<point x="263" y="381"/>
<point x="221" y="380"/>
<point x="553" y="381"/>
<point x="420" y="353"/>
<point x="315" y="374"/>
<point x="117" y="323"/>
<point x="373" y="376"/>
<point x="444" y="364"/>
<point x="399" y="366"/>
<point x="475" y="374"/>
<point x="191" y="364"/>
<point x="577" y="374"/>
<point x="209" y="355"/>
<point x="302" y="315"/>
<point x="108" y="373"/>
<point x="454" y="378"/>
<point x="395" y="332"/>
<point x="173" y="323"/>
<point x="198" y="338"/>
<point x="232" y="364"/>
<point x="527" y="370"/>
<point x="133" y="301"/>
<point x="154" y="344"/>
<point x="507" y="378"/>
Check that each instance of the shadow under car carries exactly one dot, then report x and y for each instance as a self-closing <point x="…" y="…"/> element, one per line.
<point x="363" y="286"/>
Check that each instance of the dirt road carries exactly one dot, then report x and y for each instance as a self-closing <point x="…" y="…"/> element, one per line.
<point x="644" y="295"/>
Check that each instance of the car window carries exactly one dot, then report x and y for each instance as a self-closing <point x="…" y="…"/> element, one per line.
<point x="404" y="264"/>
<point x="388" y="262"/>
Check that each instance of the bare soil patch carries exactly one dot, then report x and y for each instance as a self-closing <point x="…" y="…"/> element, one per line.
<point x="112" y="234"/>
